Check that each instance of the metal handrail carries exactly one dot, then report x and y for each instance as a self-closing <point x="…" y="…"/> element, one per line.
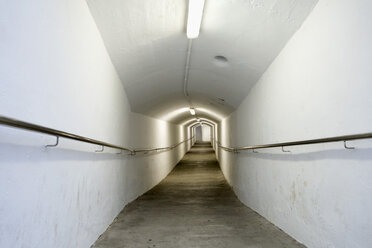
<point x="343" y="138"/>
<point x="229" y="149"/>
<point x="41" y="129"/>
<point x="162" y="148"/>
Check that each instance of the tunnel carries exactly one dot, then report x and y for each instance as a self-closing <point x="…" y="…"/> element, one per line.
<point x="185" y="123"/>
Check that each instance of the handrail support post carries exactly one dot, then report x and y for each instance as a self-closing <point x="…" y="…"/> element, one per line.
<point x="54" y="145"/>
<point x="348" y="147"/>
<point x="103" y="148"/>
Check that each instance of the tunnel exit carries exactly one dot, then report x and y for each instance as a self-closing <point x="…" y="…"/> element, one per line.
<point x="203" y="133"/>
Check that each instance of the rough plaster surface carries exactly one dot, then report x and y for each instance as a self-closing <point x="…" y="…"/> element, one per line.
<point x="55" y="71"/>
<point x="318" y="86"/>
<point x="147" y="43"/>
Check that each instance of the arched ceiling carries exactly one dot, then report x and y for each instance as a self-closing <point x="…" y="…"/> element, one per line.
<point x="147" y="43"/>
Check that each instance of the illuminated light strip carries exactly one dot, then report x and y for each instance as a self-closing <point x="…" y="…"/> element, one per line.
<point x="194" y="18"/>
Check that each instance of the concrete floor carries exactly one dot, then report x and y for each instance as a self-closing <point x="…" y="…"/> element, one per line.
<point x="192" y="207"/>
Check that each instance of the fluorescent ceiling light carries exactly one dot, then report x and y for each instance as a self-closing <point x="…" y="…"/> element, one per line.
<point x="192" y="111"/>
<point x="194" y="18"/>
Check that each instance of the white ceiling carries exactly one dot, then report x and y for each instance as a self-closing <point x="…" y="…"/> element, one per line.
<point x="147" y="42"/>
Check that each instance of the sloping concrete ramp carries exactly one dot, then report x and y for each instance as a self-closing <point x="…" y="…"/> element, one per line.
<point x="192" y="207"/>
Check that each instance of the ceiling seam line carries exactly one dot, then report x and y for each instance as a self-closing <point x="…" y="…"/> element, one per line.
<point x="187" y="70"/>
<point x="186" y="78"/>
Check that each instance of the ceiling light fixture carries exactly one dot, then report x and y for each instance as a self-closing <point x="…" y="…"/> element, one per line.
<point x="194" y="18"/>
<point x="192" y="111"/>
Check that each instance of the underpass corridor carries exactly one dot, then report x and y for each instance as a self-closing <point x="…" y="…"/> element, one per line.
<point x="185" y="123"/>
<point x="193" y="206"/>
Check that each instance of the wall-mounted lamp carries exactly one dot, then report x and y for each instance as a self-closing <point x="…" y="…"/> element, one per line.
<point x="194" y="18"/>
<point x="192" y="111"/>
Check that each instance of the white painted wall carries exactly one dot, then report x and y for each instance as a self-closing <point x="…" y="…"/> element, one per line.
<point x="319" y="86"/>
<point x="55" y="71"/>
